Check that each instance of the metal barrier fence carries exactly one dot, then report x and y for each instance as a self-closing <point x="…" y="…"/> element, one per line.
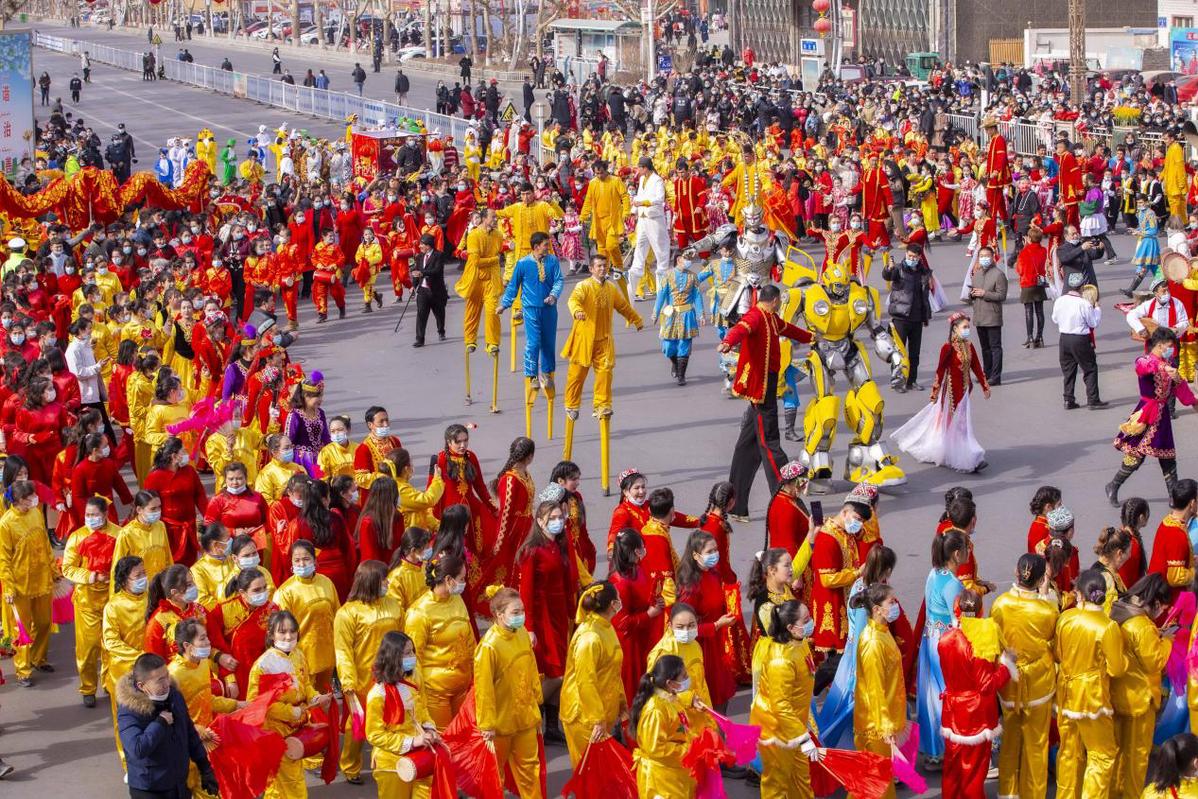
<point x="321" y="103"/>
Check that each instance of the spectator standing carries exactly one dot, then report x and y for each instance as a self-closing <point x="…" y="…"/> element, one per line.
<point x="1077" y="319"/>
<point x="909" y="307"/>
<point x="359" y="77"/>
<point x="402" y="87"/>
<point x="76" y="86"/>
<point x="988" y="294"/>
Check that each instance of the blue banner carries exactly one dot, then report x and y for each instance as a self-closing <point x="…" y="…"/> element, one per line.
<point x="16" y="99"/>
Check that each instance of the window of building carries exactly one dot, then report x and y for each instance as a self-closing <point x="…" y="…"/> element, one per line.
<point x="1183" y="22"/>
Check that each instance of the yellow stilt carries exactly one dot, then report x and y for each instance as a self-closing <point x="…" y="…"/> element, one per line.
<point x="468" y="400"/>
<point x="512" y="334"/>
<point x="495" y="382"/>
<point x="530" y="399"/>
<point x="605" y="454"/>
<point x="568" y="447"/>
<point x="550" y="396"/>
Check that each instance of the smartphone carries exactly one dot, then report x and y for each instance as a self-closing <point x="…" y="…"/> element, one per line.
<point x="817" y="512"/>
<point x="1170" y="630"/>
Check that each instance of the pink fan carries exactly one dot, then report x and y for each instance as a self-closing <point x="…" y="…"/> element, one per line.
<point x="740" y="738"/>
<point x="22" y="637"/>
<point x="357" y="719"/>
<point x="903" y="762"/>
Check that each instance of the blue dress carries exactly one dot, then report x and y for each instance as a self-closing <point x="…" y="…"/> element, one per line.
<point x="835" y="719"/>
<point x="1148" y="251"/>
<point x="940" y="594"/>
<point x="677" y="310"/>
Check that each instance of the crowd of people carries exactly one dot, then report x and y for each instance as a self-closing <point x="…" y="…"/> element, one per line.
<point x="278" y="558"/>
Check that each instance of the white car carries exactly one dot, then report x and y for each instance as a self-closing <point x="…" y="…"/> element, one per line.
<point x="409" y="53"/>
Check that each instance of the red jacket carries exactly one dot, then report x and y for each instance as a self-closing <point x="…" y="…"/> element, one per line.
<point x="757" y="335"/>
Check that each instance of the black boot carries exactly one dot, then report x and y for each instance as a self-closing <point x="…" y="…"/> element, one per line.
<point x="673" y="365"/>
<point x="790" y="415"/>
<point x="683" y="362"/>
<point x="1112" y="488"/>
<point x="1136" y="281"/>
<point x="553" y="730"/>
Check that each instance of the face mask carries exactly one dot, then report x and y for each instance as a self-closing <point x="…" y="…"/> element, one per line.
<point x="17" y="338"/>
<point x="555" y="526"/>
<point x="184" y="459"/>
<point x="284" y="646"/>
<point x="911" y="263"/>
<point x="158" y="697"/>
<point x="515" y="622"/>
<point x="139" y="585"/>
<point x="409" y="664"/>
<point x="93" y="522"/>
<point x="853" y="526"/>
<point x="340" y="438"/>
<point x="187" y="239"/>
<point x="986" y="262"/>
<point x="457" y="588"/>
<point x="684" y="684"/>
<point x="249" y="561"/>
<point x="70" y="270"/>
<point x="1168" y="354"/>
<point x="259" y="599"/>
<point x="101" y="270"/>
<point x="382" y="432"/>
<point x="235" y="491"/>
<point x="965" y="333"/>
<point x="855" y="224"/>
<point x="152" y="518"/>
<point x="637" y="502"/>
<point x="7" y="323"/>
<point x="141" y="250"/>
<point x="304" y="571"/>
<point x="191" y="594"/>
<point x="1075" y="241"/>
<point x="710" y="560"/>
<point x="685" y="636"/>
<point x="1164" y="297"/>
<point x="287" y="455"/>
<point x="201" y="652"/>
<point x="315" y="204"/>
<point x="297" y="502"/>
<point x="893" y="613"/>
<point x="251" y="228"/>
<point x="808" y="628"/>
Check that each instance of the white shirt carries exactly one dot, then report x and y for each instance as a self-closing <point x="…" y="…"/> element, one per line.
<point x="1160" y="314"/>
<point x="81" y="361"/>
<point x="651" y="189"/>
<point x="1074" y="315"/>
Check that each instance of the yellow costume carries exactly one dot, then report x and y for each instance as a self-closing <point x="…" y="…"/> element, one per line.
<point x="662" y="742"/>
<point x="507" y="693"/>
<point x="27" y="576"/>
<point x="336" y="460"/>
<point x="782" y="707"/>
<point x="286" y="715"/>
<point x="405" y="583"/>
<point x="591" y="343"/>
<point x="606" y="206"/>
<point x="692" y="655"/>
<point x="1089" y="648"/>
<point x="89" y="599"/>
<point x="444" y="640"/>
<point x="313" y="601"/>
<point x="526" y="219"/>
<point x="148" y="542"/>
<point x="194" y="681"/>
<point x="104" y="345"/>
<point x="372" y="254"/>
<point x="157" y="418"/>
<point x="247" y="443"/>
<point x="390" y="742"/>
<point x="272" y="479"/>
<point x="140" y="392"/>
<point x="211" y="577"/>
<point x="592" y="688"/>
<point x="776" y="598"/>
<point x="123" y="632"/>
<point x="749" y="184"/>
<point x="1028" y="623"/>
<point x="358" y="629"/>
<point x="206" y="149"/>
<point x="250" y="170"/>
<point x="1188" y="789"/>
<point x="1136" y="697"/>
<point x="417" y="505"/>
<point x="480" y="286"/>
<point x="880" y="699"/>
<point x="1174" y="180"/>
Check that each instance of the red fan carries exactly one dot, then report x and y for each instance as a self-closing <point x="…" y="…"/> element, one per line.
<point x="248" y="757"/>
<point x="704" y="758"/>
<point x="605" y="772"/>
<point x="477" y="768"/>
<point x="97" y="549"/>
<point x="864" y="774"/>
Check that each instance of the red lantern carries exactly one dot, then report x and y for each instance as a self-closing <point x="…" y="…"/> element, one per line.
<point x="823" y="26"/>
<point x="821" y="6"/>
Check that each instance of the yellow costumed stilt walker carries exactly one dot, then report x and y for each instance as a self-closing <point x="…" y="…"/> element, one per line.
<point x="480" y="286"/>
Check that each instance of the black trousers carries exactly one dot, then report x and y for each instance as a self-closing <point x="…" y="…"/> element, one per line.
<point x="1034" y="311"/>
<point x="990" y="343"/>
<point x="757" y="446"/>
<point x="1077" y="351"/>
<point x="911" y="334"/>
<point x="429" y="300"/>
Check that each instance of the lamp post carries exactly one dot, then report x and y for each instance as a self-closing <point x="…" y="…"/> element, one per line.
<point x="1077" y="51"/>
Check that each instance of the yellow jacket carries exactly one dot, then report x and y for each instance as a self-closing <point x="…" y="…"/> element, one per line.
<point x="748" y="183"/>
<point x="123" y="632"/>
<point x="784" y="680"/>
<point x="1138" y="691"/>
<point x="247" y="443"/>
<point x="1173" y="175"/>
<point x="417" y="506"/>
<point x="592" y="688"/>
<point x="104" y="345"/>
<point x="358" y="630"/>
<point x="1188" y="789"/>
<point x="90" y="591"/>
<point x="139" y="390"/>
<point x="596" y="301"/>
<point x="880" y="701"/>
<point x="313" y="601"/>
<point x="290" y="711"/>
<point x="608" y="203"/>
<point x="335" y="460"/>
<point x="26" y="560"/>
<point x="158" y="417"/>
<point x="662" y="742"/>
<point x="692" y="655"/>
<point x="405" y="583"/>
<point x="507" y="688"/>
<point x="272" y="479"/>
<point x="211" y="577"/>
<point x="482" y="263"/>
<point x="389" y="742"/>
<point x="194" y="681"/>
<point x="371" y="253"/>
<point x="1089" y="648"/>
<point x="146" y="542"/>
<point x="1028" y="623"/>
<point x="444" y="640"/>
<point x="527" y="219"/>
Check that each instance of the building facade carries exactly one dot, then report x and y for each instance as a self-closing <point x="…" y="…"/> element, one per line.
<point x="773" y="28"/>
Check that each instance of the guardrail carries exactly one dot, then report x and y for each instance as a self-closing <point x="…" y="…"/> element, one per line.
<point x="320" y="103"/>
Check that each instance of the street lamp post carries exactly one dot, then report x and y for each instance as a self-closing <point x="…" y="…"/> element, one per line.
<point x="1077" y="51"/>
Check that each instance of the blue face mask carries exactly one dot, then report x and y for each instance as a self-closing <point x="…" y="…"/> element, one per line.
<point x="138" y="586"/>
<point x="427" y="554"/>
<point x="710" y="560"/>
<point x="152" y="518"/>
<point x="259" y="599"/>
<point x="250" y="562"/>
<point x="893" y="613"/>
<point x="191" y="594"/>
<point x="382" y="432"/>
<point x="516" y="622"/>
<point x="409" y="664"/>
<point x="684" y="684"/>
<point x="457" y="588"/>
<point x="809" y="628"/>
<point x="287" y="455"/>
<point x="555" y="526"/>
<point x="304" y="571"/>
<point x="685" y="636"/>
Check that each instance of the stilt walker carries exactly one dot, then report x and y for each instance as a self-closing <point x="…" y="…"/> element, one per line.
<point x="480" y="287"/>
<point x="591" y="344"/>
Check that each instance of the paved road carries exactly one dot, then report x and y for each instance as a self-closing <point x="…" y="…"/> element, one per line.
<point x="681" y="437"/>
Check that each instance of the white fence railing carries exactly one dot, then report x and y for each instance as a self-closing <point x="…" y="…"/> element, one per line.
<point x="320" y="103"/>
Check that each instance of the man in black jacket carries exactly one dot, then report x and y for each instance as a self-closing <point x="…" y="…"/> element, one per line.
<point x="1078" y="256"/>
<point x="157" y="734"/>
<point x="1024" y="209"/>
<point x="529" y="99"/>
<point x="909" y="307"/>
<point x="428" y="281"/>
<point x="402" y="87"/>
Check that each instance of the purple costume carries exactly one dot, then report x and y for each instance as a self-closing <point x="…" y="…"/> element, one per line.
<point x="309" y="436"/>
<point x="1156" y="388"/>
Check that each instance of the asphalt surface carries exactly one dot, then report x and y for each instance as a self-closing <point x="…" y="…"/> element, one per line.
<point x="680" y="437"/>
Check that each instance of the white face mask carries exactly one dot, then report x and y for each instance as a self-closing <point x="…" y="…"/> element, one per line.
<point x="284" y="646"/>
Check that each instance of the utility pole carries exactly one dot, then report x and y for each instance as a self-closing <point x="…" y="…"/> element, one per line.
<point x="1077" y="51"/>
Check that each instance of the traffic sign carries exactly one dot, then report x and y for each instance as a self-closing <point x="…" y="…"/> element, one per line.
<point x="665" y="63"/>
<point x="508" y="112"/>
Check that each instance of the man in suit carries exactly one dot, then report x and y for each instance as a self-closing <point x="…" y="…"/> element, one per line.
<point x="1024" y="209"/>
<point x="428" y="280"/>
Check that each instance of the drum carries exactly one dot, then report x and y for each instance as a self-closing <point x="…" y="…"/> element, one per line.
<point x="1175" y="267"/>
<point x="323" y="276"/>
<point x="308" y="741"/>
<point x="416" y="765"/>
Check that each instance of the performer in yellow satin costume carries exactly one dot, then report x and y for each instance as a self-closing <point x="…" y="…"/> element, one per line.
<point x="368" y="614"/>
<point x="662" y="738"/>
<point x="1173" y="177"/>
<point x="1089" y="648"/>
<point x="214" y="569"/>
<point x="191" y="669"/>
<point x="880" y="700"/>
<point x="681" y="640"/>
<point x="480" y="286"/>
<point x="507" y="693"/>
<point x="312" y="599"/>
<point x="90" y="597"/>
<point x="749" y="182"/>
<point x="27" y="574"/>
<point x="592" y="695"/>
<point x="234" y="443"/>
<point x="369" y="258"/>
<point x="405" y="582"/>
<point x="439" y="626"/>
<point x="206" y="149"/>
<point x="606" y="206"/>
<point x="1136" y="695"/>
<point x="397" y="718"/>
<point x="783" y="672"/>
<point x="123" y="630"/>
<point x="139" y="388"/>
<point x="1028" y="624"/>
<point x="526" y="217"/>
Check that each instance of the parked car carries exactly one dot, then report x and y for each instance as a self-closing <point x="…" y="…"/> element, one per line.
<point x="409" y="53"/>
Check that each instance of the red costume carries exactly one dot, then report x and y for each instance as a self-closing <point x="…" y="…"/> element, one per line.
<point x="689" y="206"/>
<point x="834" y="564"/>
<point x="326" y="279"/>
<point x="1172" y="556"/>
<point x="1072" y="191"/>
<point x="998" y="176"/>
<point x="369" y="454"/>
<point x="757" y="335"/>
<point x="635" y="629"/>
<point x="876" y="200"/>
<point x="337" y="561"/>
<point x="183" y="496"/>
<point x="627" y="516"/>
<point x="706" y="596"/>
<point x="259" y="273"/>
<point x="349" y="224"/>
<point x="958" y="360"/>
<point x="548" y="582"/>
<point x="516" y="494"/>
<point x="241" y="514"/>
<point x="244" y="627"/>
<point x="786" y="523"/>
<point x="738" y="652"/>
<point x="96" y="478"/>
<point x="838" y="245"/>
<point x="576" y="527"/>
<point x="368" y="540"/>
<point x="275" y="548"/>
<point x="969" y="719"/>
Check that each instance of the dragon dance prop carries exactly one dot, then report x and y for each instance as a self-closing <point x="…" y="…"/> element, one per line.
<point x="93" y="195"/>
